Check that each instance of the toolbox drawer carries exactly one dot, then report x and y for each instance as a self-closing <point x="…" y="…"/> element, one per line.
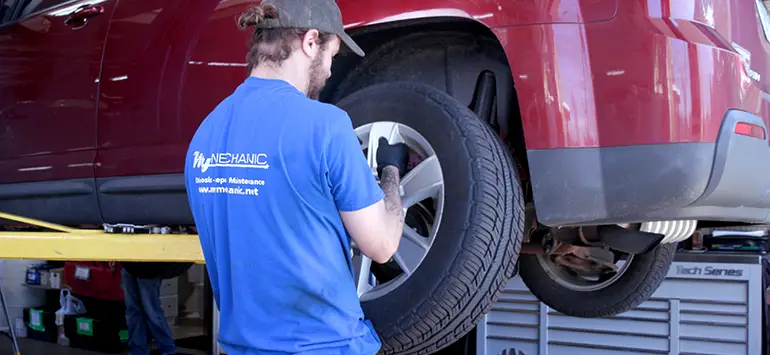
<point x="170" y="305"/>
<point x="169" y="287"/>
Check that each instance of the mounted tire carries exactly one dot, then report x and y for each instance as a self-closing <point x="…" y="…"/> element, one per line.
<point x="478" y="239"/>
<point x="636" y="284"/>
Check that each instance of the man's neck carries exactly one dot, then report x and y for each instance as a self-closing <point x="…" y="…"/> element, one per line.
<point x="269" y="72"/>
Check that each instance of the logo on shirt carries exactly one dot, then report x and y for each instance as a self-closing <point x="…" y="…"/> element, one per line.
<point x="231" y="160"/>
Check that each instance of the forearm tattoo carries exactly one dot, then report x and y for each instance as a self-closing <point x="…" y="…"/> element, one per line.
<point x="389" y="182"/>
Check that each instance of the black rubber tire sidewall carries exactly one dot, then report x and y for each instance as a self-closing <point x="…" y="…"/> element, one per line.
<point x="635" y="286"/>
<point x="458" y="184"/>
<point x="407" y="315"/>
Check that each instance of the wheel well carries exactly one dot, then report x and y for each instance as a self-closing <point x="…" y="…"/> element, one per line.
<point x="373" y="39"/>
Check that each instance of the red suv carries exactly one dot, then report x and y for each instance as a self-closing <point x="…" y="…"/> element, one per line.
<point x="591" y="136"/>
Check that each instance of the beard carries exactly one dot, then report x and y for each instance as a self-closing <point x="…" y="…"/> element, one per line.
<point x="316" y="80"/>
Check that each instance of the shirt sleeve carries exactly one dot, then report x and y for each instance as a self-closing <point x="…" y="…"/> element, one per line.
<point x="350" y="179"/>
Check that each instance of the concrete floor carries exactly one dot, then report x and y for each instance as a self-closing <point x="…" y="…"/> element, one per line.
<point x="34" y="347"/>
<point x="183" y="331"/>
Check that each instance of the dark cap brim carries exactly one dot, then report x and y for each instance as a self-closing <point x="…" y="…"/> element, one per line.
<point x="351" y="44"/>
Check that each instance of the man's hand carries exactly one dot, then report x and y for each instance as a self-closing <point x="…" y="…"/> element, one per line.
<point x="391" y="155"/>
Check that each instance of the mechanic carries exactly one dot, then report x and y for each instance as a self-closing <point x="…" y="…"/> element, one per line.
<point x="278" y="185"/>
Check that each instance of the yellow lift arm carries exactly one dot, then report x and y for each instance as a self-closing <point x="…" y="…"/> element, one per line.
<point x="65" y="243"/>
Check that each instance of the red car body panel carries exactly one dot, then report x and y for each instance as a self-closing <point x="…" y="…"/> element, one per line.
<point x="48" y="83"/>
<point x="179" y="68"/>
<point x="659" y="72"/>
<point x="122" y="96"/>
<point x="493" y="13"/>
<point x="143" y="128"/>
<point x="588" y="73"/>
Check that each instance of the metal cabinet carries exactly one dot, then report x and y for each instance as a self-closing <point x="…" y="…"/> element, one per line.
<point x="708" y="304"/>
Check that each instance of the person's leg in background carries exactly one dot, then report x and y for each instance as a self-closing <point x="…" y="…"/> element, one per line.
<point x="149" y="289"/>
<point x="135" y="319"/>
<point x="186" y="289"/>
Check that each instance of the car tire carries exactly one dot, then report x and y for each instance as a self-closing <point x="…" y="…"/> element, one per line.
<point x="643" y="276"/>
<point x="479" y="237"/>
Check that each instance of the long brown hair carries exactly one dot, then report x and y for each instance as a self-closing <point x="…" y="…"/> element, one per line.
<point x="272" y="44"/>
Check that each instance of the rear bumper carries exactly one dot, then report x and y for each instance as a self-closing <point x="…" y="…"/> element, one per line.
<point x="728" y="180"/>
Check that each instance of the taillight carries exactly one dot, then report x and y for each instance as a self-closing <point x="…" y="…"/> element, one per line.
<point x="749" y="129"/>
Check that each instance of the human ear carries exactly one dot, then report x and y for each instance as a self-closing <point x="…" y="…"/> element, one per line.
<point x="311" y="43"/>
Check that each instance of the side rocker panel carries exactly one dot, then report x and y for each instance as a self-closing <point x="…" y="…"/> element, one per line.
<point x="62" y="202"/>
<point x="153" y="199"/>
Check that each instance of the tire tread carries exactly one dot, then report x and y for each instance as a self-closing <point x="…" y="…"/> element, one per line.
<point x="494" y="232"/>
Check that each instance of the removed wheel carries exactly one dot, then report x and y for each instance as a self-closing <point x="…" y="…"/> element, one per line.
<point x="592" y="282"/>
<point x="464" y="218"/>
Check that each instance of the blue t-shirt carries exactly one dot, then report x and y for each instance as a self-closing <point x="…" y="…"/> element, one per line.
<point x="267" y="173"/>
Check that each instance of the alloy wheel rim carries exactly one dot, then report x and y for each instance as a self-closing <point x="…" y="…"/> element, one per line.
<point x="573" y="280"/>
<point x="422" y="194"/>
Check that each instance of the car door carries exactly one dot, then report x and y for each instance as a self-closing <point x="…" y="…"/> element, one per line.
<point x="143" y="129"/>
<point x="50" y="58"/>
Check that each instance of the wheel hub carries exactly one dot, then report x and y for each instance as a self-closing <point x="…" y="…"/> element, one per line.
<point x="586" y="270"/>
<point x="588" y="259"/>
<point x="422" y="194"/>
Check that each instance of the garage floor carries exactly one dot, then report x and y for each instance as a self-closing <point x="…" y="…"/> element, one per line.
<point x="34" y="347"/>
<point x="187" y="333"/>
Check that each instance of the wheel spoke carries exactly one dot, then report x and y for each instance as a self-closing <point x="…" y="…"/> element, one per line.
<point x="402" y="263"/>
<point x="361" y="267"/>
<point x="415" y="238"/>
<point x="424" y="181"/>
<point x="389" y="130"/>
<point x="409" y="255"/>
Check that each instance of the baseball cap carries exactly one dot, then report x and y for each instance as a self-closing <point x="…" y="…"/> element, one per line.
<point x="323" y="15"/>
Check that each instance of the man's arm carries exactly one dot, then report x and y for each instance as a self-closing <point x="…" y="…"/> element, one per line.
<point x="377" y="229"/>
<point x="390" y="182"/>
<point x="373" y="215"/>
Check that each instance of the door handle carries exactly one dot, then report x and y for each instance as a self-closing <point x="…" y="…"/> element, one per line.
<point x="79" y="17"/>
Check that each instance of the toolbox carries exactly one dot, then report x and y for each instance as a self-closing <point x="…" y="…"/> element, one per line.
<point x="94" y="279"/>
<point x="709" y="303"/>
<point x="751" y="241"/>
<point x="41" y="323"/>
<point x="97" y="333"/>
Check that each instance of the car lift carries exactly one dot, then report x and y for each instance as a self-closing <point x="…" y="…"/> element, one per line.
<point x="65" y="243"/>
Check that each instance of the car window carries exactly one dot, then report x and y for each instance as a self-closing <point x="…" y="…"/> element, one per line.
<point x="14" y="10"/>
